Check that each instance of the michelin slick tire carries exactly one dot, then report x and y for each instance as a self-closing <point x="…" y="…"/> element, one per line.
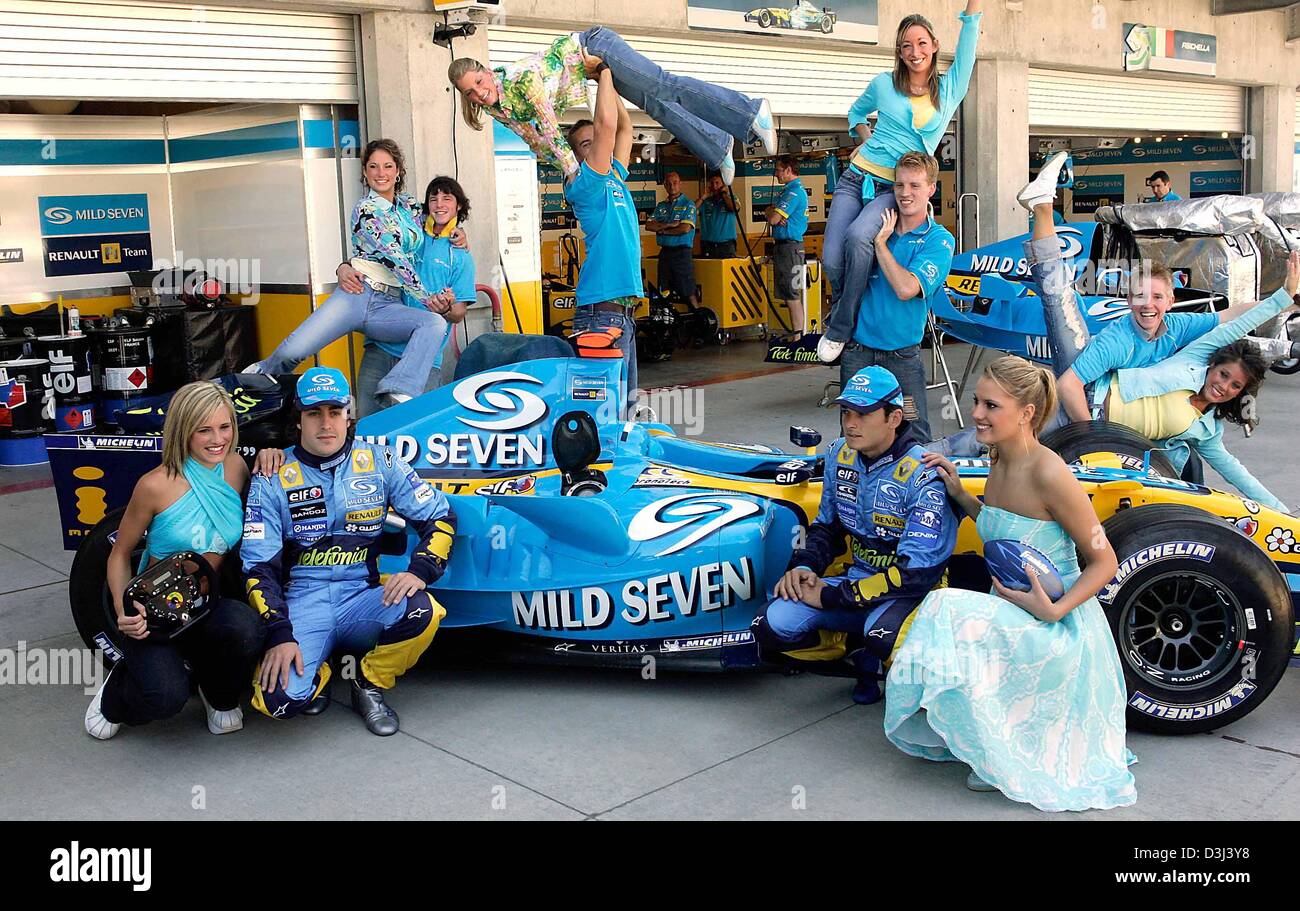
<point x="1201" y="616"/>
<point x="1074" y="441"/>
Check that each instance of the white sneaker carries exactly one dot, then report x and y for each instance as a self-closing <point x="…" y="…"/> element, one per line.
<point x="764" y="127"/>
<point x="397" y="398"/>
<point x="829" y="349"/>
<point x="255" y="367"/>
<point x="975" y="783"/>
<point x="222" y="721"/>
<point x="1042" y="189"/>
<point x="727" y="170"/>
<point x="97" y="725"/>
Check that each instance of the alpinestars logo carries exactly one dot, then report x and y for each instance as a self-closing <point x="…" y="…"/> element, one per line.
<point x="520" y="407"/>
<point x="707" y="513"/>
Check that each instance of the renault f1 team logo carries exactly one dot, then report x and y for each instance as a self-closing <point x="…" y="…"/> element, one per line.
<point x="516" y="407"/>
<point x="702" y="514"/>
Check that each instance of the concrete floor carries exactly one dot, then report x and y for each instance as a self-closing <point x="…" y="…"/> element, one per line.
<point x="491" y="741"/>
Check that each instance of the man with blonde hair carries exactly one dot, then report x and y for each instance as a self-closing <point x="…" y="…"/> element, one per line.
<point x="913" y="257"/>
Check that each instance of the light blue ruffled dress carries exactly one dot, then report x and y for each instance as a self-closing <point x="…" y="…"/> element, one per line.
<point x="1035" y="708"/>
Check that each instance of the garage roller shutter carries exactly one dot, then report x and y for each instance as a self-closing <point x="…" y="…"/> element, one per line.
<point x="798" y="82"/>
<point x="1092" y="102"/>
<point x="124" y="50"/>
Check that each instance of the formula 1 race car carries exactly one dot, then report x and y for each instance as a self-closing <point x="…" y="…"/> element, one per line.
<point x="1223" y="250"/>
<point x="803" y="15"/>
<point x="585" y="538"/>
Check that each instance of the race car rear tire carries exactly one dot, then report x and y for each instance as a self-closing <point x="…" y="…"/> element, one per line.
<point x="1201" y="616"/>
<point x="1074" y="441"/>
<point x="92" y="609"/>
<point x="826" y="25"/>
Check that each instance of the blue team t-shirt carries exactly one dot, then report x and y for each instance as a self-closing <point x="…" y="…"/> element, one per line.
<point x="440" y="266"/>
<point x="886" y="323"/>
<point x="606" y="212"/>
<point x="679" y="209"/>
<point x="793" y="204"/>
<point x="1122" y="344"/>
<point x="717" y="225"/>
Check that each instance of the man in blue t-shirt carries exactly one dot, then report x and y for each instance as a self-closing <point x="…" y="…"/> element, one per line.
<point x="788" y="217"/>
<point x="913" y="256"/>
<point x="717" y="222"/>
<point x="1161" y="188"/>
<point x="673" y="223"/>
<point x="609" y="282"/>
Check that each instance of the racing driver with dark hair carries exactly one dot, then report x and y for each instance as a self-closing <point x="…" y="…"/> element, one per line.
<point x="901" y="531"/>
<point x="311" y="552"/>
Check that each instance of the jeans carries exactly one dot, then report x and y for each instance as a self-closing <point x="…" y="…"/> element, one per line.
<point x="906" y="366"/>
<point x="375" y="364"/>
<point x="151" y="682"/>
<point x="849" y="249"/>
<point x="702" y="115"/>
<point x="587" y="319"/>
<point x="1067" y="335"/>
<point x="382" y="317"/>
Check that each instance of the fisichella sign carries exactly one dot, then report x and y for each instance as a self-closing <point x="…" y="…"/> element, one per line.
<point x="1169" y="50"/>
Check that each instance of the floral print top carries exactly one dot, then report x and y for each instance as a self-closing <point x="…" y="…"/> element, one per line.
<point x="389" y="233"/>
<point x="535" y="91"/>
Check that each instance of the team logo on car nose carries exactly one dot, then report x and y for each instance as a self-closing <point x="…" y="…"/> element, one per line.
<point x="708" y="513"/>
<point x="514" y="407"/>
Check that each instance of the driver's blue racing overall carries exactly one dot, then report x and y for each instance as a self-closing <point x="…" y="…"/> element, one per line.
<point x="901" y="530"/>
<point x="311" y="551"/>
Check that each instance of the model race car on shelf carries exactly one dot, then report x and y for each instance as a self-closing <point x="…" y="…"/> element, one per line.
<point x="1223" y="249"/>
<point x="583" y="537"/>
<point x="803" y="15"/>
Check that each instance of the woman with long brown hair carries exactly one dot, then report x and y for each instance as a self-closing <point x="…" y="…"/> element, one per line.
<point x="386" y="241"/>
<point x="913" y="106"/>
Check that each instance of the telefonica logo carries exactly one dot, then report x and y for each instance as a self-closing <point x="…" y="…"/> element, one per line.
<point x="57" y="215"/>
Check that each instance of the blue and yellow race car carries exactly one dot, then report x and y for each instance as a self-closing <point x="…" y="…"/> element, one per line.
<point x="586" y="538"/>
<point x="803" y="15"/>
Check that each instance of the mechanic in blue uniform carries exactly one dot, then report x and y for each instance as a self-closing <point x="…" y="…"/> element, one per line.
<point x="901" y="531"/>
<point x="609" y="283"/>
<point x="1161" y="188"/>
<point x="673" y="223"/>
<point x="311" y="550"/>
<point x="788" y="217"/>
<point x="717" y="222"/>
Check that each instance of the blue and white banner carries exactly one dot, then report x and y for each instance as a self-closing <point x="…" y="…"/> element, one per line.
<point x="120" y="213"/>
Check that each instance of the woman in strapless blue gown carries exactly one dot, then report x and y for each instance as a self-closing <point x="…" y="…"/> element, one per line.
<point x="1026" y="691"/>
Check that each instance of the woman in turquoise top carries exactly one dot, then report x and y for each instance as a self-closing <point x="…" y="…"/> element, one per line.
<point x="913" y="107"/>
<point x="1026" y="691"/>
<point x="192" y="502"/>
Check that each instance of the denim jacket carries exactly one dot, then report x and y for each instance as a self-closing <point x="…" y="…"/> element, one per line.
<point x="1186" y="370"/>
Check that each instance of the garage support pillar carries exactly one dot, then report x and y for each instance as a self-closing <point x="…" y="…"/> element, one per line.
<point x="1271" y="134"/>
<point x="408" y="100"/>
<point x="995" y="147"/>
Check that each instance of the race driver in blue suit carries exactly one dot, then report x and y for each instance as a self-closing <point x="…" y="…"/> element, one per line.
<point x="311" y="551"/>
<point x="901" y="531"/>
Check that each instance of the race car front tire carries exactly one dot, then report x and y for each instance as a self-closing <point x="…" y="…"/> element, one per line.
<point x="1201" y="616"/>
<point x="92" y="608"/>
<point x="1074" y="441"/>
